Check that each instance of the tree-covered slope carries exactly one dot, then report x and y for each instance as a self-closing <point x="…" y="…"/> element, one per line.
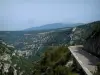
<point x="53" y="62"/>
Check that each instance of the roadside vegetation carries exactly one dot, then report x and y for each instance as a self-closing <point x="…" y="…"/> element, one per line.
<point x="53" y="62"/>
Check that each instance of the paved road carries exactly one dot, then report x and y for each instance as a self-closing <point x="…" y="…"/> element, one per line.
<point x="86" y="60"/>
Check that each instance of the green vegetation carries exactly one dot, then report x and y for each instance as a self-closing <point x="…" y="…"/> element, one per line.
<point x="22" y="64"/>
<point x="5" y="49"/>
<point x="53" y="62"/>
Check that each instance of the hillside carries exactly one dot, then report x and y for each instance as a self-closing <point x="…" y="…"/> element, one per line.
<point x="88" y="35"/>
<point x="31" y="44"/>
<point x="30" y="48"/>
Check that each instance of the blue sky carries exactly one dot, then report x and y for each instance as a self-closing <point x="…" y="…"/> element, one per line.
<point x="22" y="14"/>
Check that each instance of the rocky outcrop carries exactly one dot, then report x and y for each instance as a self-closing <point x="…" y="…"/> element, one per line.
<point x="9" y="61"/>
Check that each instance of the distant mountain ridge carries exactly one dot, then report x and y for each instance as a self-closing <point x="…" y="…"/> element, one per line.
<point x="53" y="26"/>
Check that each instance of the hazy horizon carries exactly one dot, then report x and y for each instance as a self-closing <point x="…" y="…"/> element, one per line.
<point x="23" y="14"/>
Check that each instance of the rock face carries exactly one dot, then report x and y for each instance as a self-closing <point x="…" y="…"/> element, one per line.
<point x="9" y="61"/>
<point x="5" y="58"/>
<point x="92" y="43"/>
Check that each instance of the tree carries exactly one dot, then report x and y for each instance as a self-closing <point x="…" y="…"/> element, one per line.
<point x="10" y="71"/>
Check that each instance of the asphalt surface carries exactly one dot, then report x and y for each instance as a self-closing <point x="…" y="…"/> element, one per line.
<point x="86" y="60"/>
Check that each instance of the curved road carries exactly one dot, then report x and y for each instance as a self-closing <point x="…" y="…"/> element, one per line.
<point x="86" y="60"/>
